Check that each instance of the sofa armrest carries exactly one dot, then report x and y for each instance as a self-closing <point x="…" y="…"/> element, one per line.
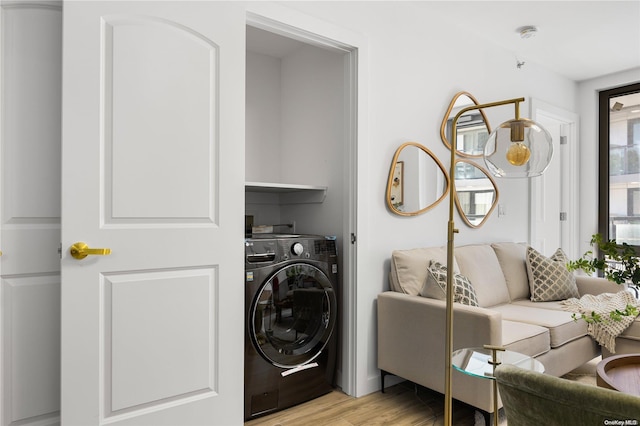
<point x="595" y="285"/>
<point x="412" y="335"/>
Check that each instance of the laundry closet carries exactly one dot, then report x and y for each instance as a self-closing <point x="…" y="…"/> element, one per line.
<point x="295" y="135"/>
<point x="297" y="145"/>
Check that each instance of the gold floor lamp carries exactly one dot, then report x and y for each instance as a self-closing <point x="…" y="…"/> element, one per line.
<point x="517" y="148"/>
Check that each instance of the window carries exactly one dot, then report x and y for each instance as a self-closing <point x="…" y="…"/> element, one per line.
<point x="619" y="197"/>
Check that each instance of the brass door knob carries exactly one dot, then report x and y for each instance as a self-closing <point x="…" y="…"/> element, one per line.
<point x="81" y="250"/>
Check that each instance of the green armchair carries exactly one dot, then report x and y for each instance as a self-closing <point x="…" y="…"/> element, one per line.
<point x="531" y="398"/>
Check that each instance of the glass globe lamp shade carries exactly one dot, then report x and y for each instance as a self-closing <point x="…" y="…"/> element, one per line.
<point x="518" y="148"/>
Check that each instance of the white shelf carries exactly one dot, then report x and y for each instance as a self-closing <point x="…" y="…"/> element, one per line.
<point x="290" y="193"/>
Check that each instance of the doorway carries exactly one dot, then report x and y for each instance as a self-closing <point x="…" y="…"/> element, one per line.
<point x="310" y="138"/>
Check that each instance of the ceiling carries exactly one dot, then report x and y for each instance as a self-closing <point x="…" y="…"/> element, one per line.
<point x="577" y="39"/>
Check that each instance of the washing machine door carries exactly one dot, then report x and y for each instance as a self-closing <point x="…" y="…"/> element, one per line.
<point x="293" y="315"/>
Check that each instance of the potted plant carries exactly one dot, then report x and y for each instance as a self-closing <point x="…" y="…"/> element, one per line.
<point x="619" y="263"/>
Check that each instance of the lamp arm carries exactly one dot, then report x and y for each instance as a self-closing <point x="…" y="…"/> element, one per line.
<point x="515" y="101"/>
<point x="451" y="230"/>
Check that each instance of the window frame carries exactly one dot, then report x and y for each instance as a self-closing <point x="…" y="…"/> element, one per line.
<point x="604" y="118"/>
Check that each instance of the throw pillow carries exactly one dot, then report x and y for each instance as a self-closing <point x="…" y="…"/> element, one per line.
<point x="435" y="286"/>
<point x="549" y="278"/>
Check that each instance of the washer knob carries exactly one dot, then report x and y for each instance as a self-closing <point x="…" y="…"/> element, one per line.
<point x="297" y="249"/>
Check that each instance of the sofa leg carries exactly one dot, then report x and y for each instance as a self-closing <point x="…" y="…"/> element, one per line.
<point x="382" y="376"/>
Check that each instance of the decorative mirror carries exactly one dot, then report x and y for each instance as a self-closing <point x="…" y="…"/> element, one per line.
<point x="473" y="128"/>
<point x="417" y="180"/>
<point x="476" y="193"/>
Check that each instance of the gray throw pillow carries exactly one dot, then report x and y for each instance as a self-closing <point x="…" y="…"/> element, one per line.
<point x="549" y="278"/>
<point x="435" y="286"/>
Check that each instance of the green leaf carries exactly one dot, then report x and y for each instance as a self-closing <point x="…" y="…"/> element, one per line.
<point x="623" y="255"/>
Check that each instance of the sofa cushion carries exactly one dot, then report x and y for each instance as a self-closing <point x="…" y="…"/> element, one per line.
<point x="596" y="285"/>
<point x="435" y="286"/>
<point x="549" y="278"/>
<point x="562" y="328"/>
<point x="511" y="257"/>
<point x="409" y="268"/>
<point x="480" y="264"/>
<point x="633" y="331"/>
<point x="528" y="339"/>
<point x="556" y="305"/>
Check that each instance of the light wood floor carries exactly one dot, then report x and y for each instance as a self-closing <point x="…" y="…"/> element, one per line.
<point x="402" y="404"/>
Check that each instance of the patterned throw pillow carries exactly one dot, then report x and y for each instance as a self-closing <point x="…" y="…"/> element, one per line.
<point x="435" y="286"/>
<point x="549" y="278"/>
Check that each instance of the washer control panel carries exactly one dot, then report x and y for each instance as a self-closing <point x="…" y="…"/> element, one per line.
<point x="269" y="250"/>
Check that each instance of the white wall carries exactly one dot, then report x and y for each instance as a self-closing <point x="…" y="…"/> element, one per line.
<point x="416" y="65"/>
<point x="295" y="135"/>
<point x="313" y="134"/>
<point x="263" y="118"/>
<point x="588" y="109"/>
<point x="263" y="137"/>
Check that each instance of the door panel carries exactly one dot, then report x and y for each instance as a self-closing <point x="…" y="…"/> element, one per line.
<point x="31" y="347"/>
<point x="182" y="301"/>
<point x="158" y="74"/>
<point x="153" y="168"/>
<point x="30" y="71"/>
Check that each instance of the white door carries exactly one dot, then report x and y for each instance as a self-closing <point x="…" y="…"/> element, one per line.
<point x="153" y="169"/>
<point x="30" y="71"/>
<point x="547" y="205"/>
<point x="554" y="194"/>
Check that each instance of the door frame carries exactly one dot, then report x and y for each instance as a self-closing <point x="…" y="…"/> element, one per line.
<point x="568" y="172"/>
<point x="299" y="26"/>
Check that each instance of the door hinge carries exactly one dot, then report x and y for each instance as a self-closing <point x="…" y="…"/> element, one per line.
<point x="353" y="238"/>
<point x="563" y="216"/>
<point x="563" y="140"/>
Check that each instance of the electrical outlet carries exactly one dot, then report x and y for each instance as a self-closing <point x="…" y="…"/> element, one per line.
<point x="502" y="211"/>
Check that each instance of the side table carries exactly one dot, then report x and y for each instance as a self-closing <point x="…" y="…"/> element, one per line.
<point x="481" y="362"/>
<point x="620" y="373"/>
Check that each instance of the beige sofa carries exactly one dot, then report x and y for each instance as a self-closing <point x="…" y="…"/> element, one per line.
<point x="628" y="342"/>
<point x="411" y="328"/>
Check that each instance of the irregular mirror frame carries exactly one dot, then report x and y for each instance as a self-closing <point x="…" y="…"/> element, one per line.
<point x="473" y="128"/>
<point x="417" y="180"/>
<point x="476" y="193"/>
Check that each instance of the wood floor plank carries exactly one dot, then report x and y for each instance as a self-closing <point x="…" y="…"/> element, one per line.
<point x="402" y="404"/>
<point x="303" y="411"/>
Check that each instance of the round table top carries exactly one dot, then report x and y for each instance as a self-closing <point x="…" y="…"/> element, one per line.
<point x="476" y="361"/>
<point x="620" y="372"/>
